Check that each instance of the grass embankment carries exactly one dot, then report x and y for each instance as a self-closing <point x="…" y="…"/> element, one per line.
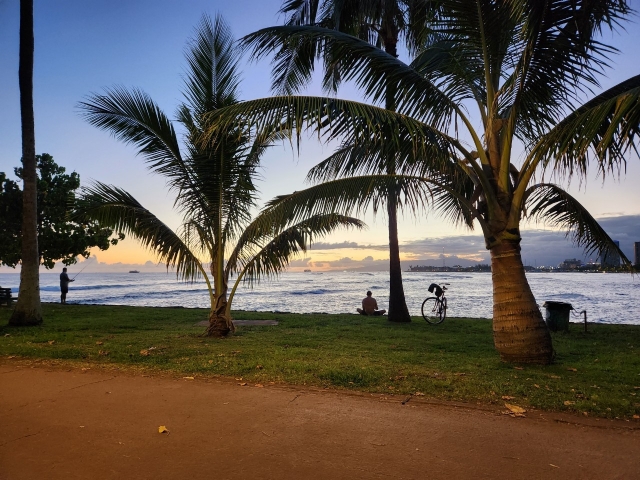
<point x="597" y="372"/>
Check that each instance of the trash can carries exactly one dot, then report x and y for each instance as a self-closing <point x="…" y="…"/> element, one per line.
<point x="557" y="315"/>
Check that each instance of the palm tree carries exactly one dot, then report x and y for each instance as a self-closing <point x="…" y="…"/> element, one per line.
<point x="28" y="309"/>
<point x="214" y="182"/>
<point x="381" y="23"/>
<point x="526" y="67"/>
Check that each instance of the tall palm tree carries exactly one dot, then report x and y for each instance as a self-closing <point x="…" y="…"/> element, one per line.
<point x="525" y="66"/>
<point x="214" y="182"/>
<point x="28" y="309"/>
<point x="382" y="23"/>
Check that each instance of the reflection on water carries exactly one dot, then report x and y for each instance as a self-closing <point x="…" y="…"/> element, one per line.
<point x="610" y="298"/>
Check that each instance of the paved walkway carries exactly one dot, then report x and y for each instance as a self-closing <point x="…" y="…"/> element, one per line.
<point x="101" y="424"/>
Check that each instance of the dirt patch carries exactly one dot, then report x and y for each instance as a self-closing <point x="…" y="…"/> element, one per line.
<point x="240" y="323"/>
<point x="94" y="423"/>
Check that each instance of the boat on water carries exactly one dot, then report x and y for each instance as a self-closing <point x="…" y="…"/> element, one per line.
<point x="134" y="271"/>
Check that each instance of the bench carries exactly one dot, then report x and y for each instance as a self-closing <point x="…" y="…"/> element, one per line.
<point x="5" y="296"/>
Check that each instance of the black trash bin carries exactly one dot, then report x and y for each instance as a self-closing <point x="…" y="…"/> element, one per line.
<point x="557" y="315"/>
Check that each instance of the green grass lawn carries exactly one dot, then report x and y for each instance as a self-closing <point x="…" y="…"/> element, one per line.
<point x="597" y="372"/>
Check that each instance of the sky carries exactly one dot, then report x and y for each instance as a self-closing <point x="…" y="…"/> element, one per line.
<point x="82" y="47"/>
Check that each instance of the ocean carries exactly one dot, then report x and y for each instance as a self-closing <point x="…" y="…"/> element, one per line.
<point x="607" y="298"/>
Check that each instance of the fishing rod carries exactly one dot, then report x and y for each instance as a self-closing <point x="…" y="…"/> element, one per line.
<point x="79" y="272"/>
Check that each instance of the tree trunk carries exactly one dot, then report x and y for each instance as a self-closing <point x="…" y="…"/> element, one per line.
<point x="220" y="323"/>
<point x="519" y="332"/>
<point x="28" y="309"/>
<point x="398" y="311"/>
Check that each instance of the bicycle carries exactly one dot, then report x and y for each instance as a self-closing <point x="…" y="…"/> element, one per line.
<point x="434" y="309"/>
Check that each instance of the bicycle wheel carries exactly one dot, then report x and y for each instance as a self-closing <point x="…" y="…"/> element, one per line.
<point x="434" y="310"/>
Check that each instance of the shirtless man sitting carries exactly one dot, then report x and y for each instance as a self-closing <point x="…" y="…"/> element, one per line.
<point x="370" y="306"/>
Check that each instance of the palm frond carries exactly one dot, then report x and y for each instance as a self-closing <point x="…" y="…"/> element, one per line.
<point x="114" y="208"/>
<point x="355" y="195"/>
<point x="559" y="57"/>
<point x="604" y="129"/>
<point x="133" y="117"/>
<point x="368" y="66"/>
<point x="552" y="204"/>
<point x="363" y="158"/>
<point x="212" y="76"/>
<point x="260" y="253"/>
<point x="349" y="121"/>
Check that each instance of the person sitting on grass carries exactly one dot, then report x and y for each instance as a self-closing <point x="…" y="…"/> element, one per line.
<point x="370" y="306"/>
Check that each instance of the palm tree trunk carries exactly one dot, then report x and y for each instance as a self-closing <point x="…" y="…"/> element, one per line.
<point x="220" y="323"/>
<point x="519" y="332"/>
<point x="28" y="309"/>
<point x="398" y="311"/>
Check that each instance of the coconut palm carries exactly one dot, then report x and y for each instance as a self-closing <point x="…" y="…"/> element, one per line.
<point x="526" y="67"/>
<point x="214" y="182"/>
<point x="28" y="309"/>
<point x="382" y="23"/>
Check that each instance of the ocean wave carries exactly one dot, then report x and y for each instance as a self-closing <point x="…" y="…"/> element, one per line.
<point x="317" y="291"/>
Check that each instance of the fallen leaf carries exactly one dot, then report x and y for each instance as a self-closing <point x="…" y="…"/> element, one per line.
<point x="419" y="394"/>
<point x="636" y="388"/>
<point x="636" y="417"/>
<point x="144" y="353"/>
<point x="104" y="353"/>
<point x="11" y="356"/>
<point x="507" y="397"/>
<point x="569" y="402"/>
<point x="210" y="361"/>
<point x="85" y="369"/>
<point x="571" y="369"/>
<point x="239" y="378"/>
<point x="554" y="376"/>
<point x="99" y="343"/>
<point x="516" y="410"/>
<point x="162" y="429"/>
<point x="242" y="384"/>
<point x="518" y="368"/>
<point x="536" y="385"/>
<point x="51" y="342"/>
<point x="7" y="334"/>
<point x="554" y="466"/>
<point x="460" y="374"/>
<point x="259" y="385"/>
<point x="188" y="378"/>
<point x="259" y="367"/>
<point x="152" y="348"/>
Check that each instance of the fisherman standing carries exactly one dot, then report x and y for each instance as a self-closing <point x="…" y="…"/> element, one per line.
<point x="64" y="285"/>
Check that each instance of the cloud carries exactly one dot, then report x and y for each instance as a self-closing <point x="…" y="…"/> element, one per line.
<point x="539" y="247"/>
<point x="333" y="246"/>
<point x="302" y="262"/>
<point x="347" y="263"/>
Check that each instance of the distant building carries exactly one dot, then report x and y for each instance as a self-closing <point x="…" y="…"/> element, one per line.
<point x="612" y="260"/>
<point x="570" y="264"/>
<point x="636" y="254"/>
